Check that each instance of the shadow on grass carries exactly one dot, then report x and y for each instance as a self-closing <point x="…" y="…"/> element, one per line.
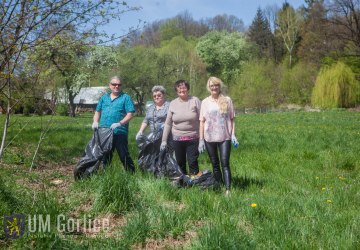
<point x="245" y="182"/>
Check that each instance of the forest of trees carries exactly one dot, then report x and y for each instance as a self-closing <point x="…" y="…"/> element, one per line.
<point x="306" y="56"/>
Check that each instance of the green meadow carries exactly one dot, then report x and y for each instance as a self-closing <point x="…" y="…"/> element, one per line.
<point x="295" y="185"/>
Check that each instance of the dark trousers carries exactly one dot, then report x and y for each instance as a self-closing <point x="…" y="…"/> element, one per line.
<point x="224" y="149"/>
<point x="187" y="150"/>
<point x="120" y="143"/>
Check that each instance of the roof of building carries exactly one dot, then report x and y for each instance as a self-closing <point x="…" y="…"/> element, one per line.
<point x="87" y="95"/>
<point x="90" y="95"/>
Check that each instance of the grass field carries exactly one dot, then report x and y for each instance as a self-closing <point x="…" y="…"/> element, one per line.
<point x="296" y="185"/>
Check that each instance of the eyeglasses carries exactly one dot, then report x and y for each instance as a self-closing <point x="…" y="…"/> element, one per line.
<point x="116" y="84"/>
<point x="158" y="95"/>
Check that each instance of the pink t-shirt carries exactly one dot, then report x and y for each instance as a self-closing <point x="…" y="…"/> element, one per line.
<point x="217" y="126"/>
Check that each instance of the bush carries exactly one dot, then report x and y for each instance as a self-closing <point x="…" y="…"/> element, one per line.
<point x="297" y="83"/>
<point x="62" y="109"/>
<point x="336" y="87"/>
<point x="255" y="88"/>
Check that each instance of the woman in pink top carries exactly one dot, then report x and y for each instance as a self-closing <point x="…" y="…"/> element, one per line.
<point x="182" y="121"/>
<point x="217" y="130"/>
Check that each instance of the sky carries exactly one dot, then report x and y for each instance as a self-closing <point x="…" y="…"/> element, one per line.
<point x="155" y="10"/>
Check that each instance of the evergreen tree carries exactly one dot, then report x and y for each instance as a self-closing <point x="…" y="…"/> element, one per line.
<point x="260" y="33"/>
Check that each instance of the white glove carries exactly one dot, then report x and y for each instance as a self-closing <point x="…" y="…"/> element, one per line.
<point x="163" y="145"/>
<point x="138" y="135"/>
<point x="115" y="125"/>
<point x="201" y="147"/>
<point x="95" y="125"/>
<point x="234" y="141"/>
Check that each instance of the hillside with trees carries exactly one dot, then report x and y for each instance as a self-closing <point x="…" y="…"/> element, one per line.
<point x="279" y="59"/>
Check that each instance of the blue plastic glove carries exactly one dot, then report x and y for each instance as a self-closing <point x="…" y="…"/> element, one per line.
<point x="234" y="141"/>
<point x="95" y="125"/>
<point x="201" y="147"/>
<point x="163" y="145"/>
<point x="115" y="125"/>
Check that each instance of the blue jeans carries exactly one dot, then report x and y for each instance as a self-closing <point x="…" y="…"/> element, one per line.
<point x="224" y="148"/>
<point x="120" y="143"/>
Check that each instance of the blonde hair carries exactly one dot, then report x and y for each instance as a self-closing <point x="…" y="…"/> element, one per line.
<point x="222" y="100"/>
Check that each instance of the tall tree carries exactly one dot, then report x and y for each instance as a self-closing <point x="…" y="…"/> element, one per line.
<point x="182" y="24"/>
<point x="315" y="42"/>
<point x="178" y="60"/>
<point x="190" y="27"/>
<point x="223" y="53"/>
<point x="288" y="23"/>
<point x="73" y="62"/>
<point x="260" y="33"/>
<point x="270" y="12"/>
<point x="137" y="66"/>
<point x="345" y="14"/>
<point x="25" y="24"/>
<point x="225" y="22"/>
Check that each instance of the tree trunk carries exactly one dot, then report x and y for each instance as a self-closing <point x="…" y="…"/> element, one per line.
<point x="72" y="105"/>
<point x="6" y="125"/>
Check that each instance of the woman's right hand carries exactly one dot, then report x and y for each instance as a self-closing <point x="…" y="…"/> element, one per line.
<point x="163" y="145"/>
<point x="201" y="146"/>
<point x="138" y="135"/>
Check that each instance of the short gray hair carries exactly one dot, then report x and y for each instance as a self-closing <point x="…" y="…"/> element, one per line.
<point x="116" y="78"/>
<point x="157" y="88"/>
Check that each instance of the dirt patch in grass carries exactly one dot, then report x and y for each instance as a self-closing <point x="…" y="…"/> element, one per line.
<point x="355" y="109"/>
<point x="174" y="205"/>
<point x="245" y="226"/>
<point x="56" y="172"/>
<point x="166" y="243"/>
<point x="105" y="225"/>
<point x="85" y="206"/>
<point x="57" y="177"/>
<point x="171" y="242"/>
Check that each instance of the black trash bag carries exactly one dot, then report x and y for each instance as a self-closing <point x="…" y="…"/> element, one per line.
<point x="163" y="163"/>
<point x="99" y="145"/>
<point x="167" y="166"/>
<point x="149" y="147"/>
<point x="152" y="160"/>
<point x="204" y="181"/>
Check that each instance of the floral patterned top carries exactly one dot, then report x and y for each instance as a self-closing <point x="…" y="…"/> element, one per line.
<point x="155" y="118"/>
<point x="217" y="126"/>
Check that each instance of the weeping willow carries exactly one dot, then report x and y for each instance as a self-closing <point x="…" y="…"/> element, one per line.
<point x="336" y="87"/>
